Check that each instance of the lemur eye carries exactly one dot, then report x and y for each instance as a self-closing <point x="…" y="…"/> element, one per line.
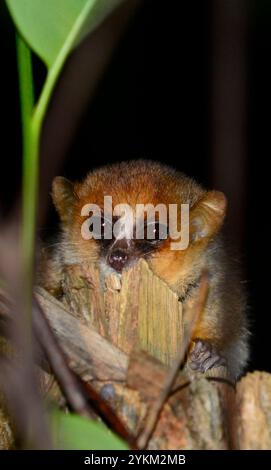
<point x="100" y="227"/>
<point x="155" y="232"/>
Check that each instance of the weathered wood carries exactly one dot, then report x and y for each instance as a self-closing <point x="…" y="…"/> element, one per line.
<point x="140" y="312"/>
<point x="253" y="412"/>
<point x="193" y="416"/>
<point x="100" y="324"/>
<point x="89" y="354"/>
<point x="148" y="384"/>
<point x="137" y="311"/>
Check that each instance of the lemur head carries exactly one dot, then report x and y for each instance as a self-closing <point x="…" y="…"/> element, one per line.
<point x="137" y="184"/>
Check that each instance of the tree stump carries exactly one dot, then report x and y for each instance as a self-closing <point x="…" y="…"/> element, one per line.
<point x="122" y="336"/>
<point x="136" y="311"/>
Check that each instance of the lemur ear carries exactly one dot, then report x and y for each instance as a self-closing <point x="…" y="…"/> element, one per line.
<point x="64" y="197"/>
<point x="207" y="216"/>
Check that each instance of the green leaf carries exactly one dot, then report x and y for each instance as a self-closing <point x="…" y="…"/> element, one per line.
<point x="72" y="432"/>
<point x="49" y="26"/>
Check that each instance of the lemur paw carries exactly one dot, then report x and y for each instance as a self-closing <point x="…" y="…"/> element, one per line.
<point x="204" y="356"/>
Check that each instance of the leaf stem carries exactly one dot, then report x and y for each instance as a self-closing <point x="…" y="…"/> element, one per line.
<point x="30" y="173"/>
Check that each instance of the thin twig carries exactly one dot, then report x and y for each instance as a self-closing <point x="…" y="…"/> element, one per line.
<point x="155" y="410"/>
<point x="67" y="380"/>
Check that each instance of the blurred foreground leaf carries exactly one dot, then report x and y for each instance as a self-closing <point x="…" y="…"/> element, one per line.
<point x="73" y="432"/>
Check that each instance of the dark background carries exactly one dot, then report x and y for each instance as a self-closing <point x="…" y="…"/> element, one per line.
<point x="190" y="85"/>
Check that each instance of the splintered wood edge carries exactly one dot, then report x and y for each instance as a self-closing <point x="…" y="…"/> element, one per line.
<point x="143" y="310"/>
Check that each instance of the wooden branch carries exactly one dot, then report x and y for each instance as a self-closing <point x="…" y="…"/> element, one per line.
<point x="98" y="325"/>
<point x="89" y="355"/>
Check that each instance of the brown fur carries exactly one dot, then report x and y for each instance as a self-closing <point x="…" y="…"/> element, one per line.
<point x="223" y="322"/>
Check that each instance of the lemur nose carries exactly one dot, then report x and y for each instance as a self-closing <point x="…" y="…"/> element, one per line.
<point x="118" y="259"/>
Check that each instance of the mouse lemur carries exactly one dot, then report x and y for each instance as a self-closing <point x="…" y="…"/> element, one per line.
<point x="221" y="335"/>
